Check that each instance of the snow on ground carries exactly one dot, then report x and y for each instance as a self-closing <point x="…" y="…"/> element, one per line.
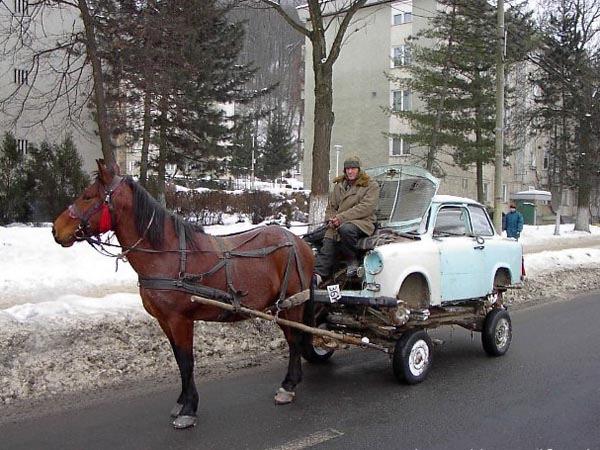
<point x="40" y="278"/>
<point x="69" y="322"/>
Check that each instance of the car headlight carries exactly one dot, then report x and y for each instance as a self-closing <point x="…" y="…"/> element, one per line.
<point x="373" y="262"/>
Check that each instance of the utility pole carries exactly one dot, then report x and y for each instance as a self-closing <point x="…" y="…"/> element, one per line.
<point x="252" y="165"/>
<point x="499" y="160"/>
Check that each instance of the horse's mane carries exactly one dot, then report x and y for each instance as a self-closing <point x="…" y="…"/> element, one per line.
<point x="144" y="206"/>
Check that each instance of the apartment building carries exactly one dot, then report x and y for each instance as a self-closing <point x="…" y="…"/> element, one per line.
<point x="56" y="103"/>
<point x="376" y="45"/>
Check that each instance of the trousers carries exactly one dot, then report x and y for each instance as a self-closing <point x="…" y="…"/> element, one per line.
<point x="332" y="250"/>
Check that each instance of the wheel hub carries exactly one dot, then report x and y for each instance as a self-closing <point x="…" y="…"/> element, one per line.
<point x="502" y="333"/>
<point x="419" y="357"/>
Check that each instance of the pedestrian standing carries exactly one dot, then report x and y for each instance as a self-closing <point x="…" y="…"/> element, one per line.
<point x="513" y="222"/>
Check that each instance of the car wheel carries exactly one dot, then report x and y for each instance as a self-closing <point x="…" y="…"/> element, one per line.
<point x="497" y="332"/>
<point x="312" y="353"/>
<point x="412" y="358"/>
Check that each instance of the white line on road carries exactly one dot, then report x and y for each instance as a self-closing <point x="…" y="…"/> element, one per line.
<point x="310" y="440"/>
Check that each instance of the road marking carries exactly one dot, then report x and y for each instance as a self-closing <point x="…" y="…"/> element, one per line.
<point x="312" y="439"/>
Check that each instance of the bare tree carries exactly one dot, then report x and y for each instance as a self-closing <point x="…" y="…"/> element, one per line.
<point x="570" y="83"/>
<point x="323" y="17"/>
<point x="56" y="41"/>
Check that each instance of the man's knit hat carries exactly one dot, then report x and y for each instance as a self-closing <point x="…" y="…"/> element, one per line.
<point x="352" y="161"/>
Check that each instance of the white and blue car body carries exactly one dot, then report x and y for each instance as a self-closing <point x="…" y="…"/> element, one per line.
<point x="435" y="260"/>
<point x="454" y="255"/>
<point x="439" y="249"/>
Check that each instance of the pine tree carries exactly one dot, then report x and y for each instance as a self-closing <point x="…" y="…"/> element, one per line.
<point x="455" y="80"/>
<point x="179" y="59"/>
<point x="240" y="151"/>
<point x="54" y="178"/>
<point x="568" y="84"/>
<point x="13" y="202"/>
<point x="277" y="155"/>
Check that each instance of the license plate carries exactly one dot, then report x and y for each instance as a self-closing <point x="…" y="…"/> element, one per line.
<point x="334" y="293"/>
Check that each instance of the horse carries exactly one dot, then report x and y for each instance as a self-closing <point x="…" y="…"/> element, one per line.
<point x="175" y="260"/>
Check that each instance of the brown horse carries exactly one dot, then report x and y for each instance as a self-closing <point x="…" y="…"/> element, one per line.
<point x="174" y="260"/>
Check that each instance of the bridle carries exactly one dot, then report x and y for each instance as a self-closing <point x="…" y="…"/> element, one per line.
<point x="103" y="206"/>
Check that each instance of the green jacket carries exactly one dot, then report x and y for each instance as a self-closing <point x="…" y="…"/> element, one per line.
<point x="356" y="204"/>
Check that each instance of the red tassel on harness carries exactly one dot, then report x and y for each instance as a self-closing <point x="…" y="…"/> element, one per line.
<point x="105" y="220"/>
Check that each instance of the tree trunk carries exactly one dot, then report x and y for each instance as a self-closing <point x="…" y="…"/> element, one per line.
<point x="162" y="157"/>
<point x="99" y="95"/>
<point x="582" y="220"/>
<point x="317" y="207"/>
<point x="323" y="123"/>
<point x="479" y="178"/>
<point x="584" y="191"/>
<point x="145" y="140"/>
<point x="557" y="223"/>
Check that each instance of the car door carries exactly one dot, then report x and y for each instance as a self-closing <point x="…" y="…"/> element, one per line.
<point x="461" y="256"/>
<point x="497" y="251"/>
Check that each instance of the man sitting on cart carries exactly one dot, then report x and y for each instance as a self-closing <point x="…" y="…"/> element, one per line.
<point x="350" y="215"/>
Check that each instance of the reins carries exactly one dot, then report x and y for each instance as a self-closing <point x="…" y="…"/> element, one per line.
<point x="98" y="245"/>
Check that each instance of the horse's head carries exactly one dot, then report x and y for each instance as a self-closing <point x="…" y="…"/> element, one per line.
<point x="89" y="215"/>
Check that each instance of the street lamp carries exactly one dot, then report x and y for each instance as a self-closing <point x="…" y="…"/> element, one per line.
<point x="338" y="150"/>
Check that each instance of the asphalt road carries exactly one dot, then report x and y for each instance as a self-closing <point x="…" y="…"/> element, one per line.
<point x="543" y="394"/>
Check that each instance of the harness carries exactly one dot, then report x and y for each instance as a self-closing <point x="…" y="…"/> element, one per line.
<point x="105" y="208"/>
<point x="189" y="283"/>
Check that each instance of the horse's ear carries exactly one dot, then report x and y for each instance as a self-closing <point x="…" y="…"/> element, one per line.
<point x="105" y="173"/>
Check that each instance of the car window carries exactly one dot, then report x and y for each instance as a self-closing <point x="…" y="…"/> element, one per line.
<point x="481" y="223"/>
<point x="451" y="220"/>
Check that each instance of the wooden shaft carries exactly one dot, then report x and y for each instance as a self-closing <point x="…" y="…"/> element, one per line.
<point x="288" y="323"/>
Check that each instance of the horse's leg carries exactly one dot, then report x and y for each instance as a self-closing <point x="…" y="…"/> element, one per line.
<point x="183" y="337"/>
<point x="286" y="392"/>
<point x="167" y="330"/>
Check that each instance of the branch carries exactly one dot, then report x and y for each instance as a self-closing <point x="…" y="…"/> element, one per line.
<point x="336" y="47"/>
<point x="295" y="25"/>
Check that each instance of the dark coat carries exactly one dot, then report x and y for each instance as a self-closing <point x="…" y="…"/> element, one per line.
<point x="355" y="203"/>
<point x="513" y="224"/>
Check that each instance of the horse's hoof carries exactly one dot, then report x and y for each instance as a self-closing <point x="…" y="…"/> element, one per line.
<point x="176" y="409"/>
<point x="182" y="422"/>
<point x="284" y="397"/>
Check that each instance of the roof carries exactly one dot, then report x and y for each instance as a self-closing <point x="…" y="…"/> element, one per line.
<point x="454" y="199"/>
<point x="532" y="194"/>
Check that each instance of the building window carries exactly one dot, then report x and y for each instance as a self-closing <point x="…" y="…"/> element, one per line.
<point x="401" y="100"/>
<point x="401" y="56"/>
<point x="21" y="77"/>
<point x="400" y="16"/>
<point x="465" y="184"/>
<point x="22" y="146"/>
<point x="504" y="193"/>
<point x="486" y="191"/>
<point x="399" y="147"/>
<point x="170" y="169"/>
<point x="22" y="7"/>
<point x="546" y="160"/>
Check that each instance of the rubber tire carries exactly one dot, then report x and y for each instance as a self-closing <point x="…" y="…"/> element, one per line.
<point x="311" y="354"/>
<point x="401" y="360"/>
<point x="493" y="321"/>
